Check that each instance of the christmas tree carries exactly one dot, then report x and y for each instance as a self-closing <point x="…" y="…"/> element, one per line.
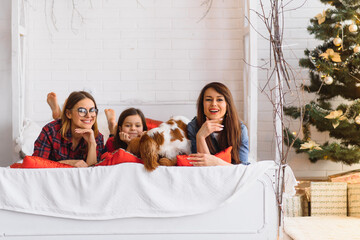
<point x="334" y="68"/>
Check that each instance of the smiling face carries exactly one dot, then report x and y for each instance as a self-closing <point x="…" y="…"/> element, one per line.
<point x="214" y="104"/>
<point x="132" y="125"/>
<point x="82" y="122"/>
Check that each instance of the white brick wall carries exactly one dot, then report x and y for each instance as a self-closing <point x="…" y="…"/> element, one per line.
<point x="297" y="37"/>
<point x="129" y="52"/>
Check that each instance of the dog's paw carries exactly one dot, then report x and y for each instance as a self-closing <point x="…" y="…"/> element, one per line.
<point x="167" y="162"/>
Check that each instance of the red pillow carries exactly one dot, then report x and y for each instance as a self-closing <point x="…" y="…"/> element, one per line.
<point x="117" y="157"/>
<point x="182" y="160"/>
<point x="39" y="162"/>
<point x="16" y="165"/>
<point x="151" y="123"/>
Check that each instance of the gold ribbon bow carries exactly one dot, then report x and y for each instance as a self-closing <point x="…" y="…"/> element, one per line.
<point x="330" y="54"/>
<point x="321" y="17"/>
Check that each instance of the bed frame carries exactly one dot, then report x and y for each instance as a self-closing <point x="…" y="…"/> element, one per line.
<point x="253" y="215"/>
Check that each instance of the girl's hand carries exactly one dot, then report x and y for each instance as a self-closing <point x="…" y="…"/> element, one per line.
<point x="124" y="137"/>
<point x="204" y="159"/>
<point x="209" y="127"/>
<point x="87" y="134"/>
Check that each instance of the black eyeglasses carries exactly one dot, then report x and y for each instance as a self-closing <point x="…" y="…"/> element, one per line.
<point x="83" y="111"/>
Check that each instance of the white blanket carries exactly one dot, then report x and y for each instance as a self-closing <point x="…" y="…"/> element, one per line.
<point x="124" y="190"/>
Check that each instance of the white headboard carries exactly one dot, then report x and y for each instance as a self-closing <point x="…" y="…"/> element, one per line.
<point x="157" y="111"/>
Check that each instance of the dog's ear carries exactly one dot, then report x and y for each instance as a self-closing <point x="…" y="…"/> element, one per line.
<point x="149" y="152"/>
<point x="182" y="126"/>
<point x="134" y="146"/>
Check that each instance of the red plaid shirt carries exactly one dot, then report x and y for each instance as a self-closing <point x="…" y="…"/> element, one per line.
<point x="52" y="146"/>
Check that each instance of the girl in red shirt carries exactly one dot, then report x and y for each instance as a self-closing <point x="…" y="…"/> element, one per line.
<point x="131" y="124"/>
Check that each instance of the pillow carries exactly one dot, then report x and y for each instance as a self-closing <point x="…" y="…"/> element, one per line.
<point x="16" y="165"/>
<point x="29" y="134"/>
<point x="182" y="160"/>
<point x="117" y="157"/>
<point x="103" y="125"/>
<point x="151" y="123"/>
<point x="39" y="162"/>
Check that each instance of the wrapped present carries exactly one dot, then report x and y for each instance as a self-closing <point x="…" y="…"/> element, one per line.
<point x="328" y="198"/>
<point x="296" y="206"/>
<point x="303" y="187"/>
<point x="354" y="200"/>
<point x="348" y="177"/>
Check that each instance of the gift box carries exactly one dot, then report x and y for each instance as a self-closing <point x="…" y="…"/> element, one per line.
<point x="296" y="206"/>
<point x="328" y="198"/>
<point x="348" y="177"/>
<point x="354" y="200"/>
<point x="303" y="187"/>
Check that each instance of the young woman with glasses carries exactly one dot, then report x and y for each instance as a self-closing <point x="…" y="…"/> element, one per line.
<point x="73" y="139"/>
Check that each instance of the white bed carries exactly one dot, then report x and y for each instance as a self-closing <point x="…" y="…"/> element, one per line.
<point x="237" y="211"/>
<point x="247" y="212"/>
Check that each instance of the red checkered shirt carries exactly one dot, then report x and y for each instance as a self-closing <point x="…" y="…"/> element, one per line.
<point x="52" y="146"/>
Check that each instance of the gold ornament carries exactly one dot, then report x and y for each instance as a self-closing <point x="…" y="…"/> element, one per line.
<point x="330" y="54"/>
<point x="337" y="41"/>
<point x="357" y="119"/>
<point x="353" y="28"/>
<point x="328" y="80"/>
<point x="357" y="49"/>
<point x="321" y="17"/>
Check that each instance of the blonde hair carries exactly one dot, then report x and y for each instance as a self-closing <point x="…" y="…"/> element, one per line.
<point x="70" y="102"/>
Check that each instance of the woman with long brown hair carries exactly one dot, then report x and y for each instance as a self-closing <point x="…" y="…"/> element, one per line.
<point x="217" y="127"/>
<point x="73" y="139"/>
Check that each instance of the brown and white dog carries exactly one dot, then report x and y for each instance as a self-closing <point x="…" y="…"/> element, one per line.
<point x="160" y="145"/>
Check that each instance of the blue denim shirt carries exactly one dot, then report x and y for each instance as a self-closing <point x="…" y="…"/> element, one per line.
<point x="192" y="129"/>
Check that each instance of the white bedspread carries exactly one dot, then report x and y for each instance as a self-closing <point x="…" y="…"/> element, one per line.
<point x="124" y="190"/>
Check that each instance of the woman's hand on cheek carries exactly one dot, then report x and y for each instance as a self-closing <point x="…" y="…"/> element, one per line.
<point x="87" y="134"/>
<point x="124" y="137"/>
<point x="209" y="127"/>
<point x="204" y="159"/>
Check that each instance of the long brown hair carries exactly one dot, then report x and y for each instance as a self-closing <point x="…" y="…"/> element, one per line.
<point x="70" y="102"/>
<point x="231" y="135"/>
<point x="128" y="112"/>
